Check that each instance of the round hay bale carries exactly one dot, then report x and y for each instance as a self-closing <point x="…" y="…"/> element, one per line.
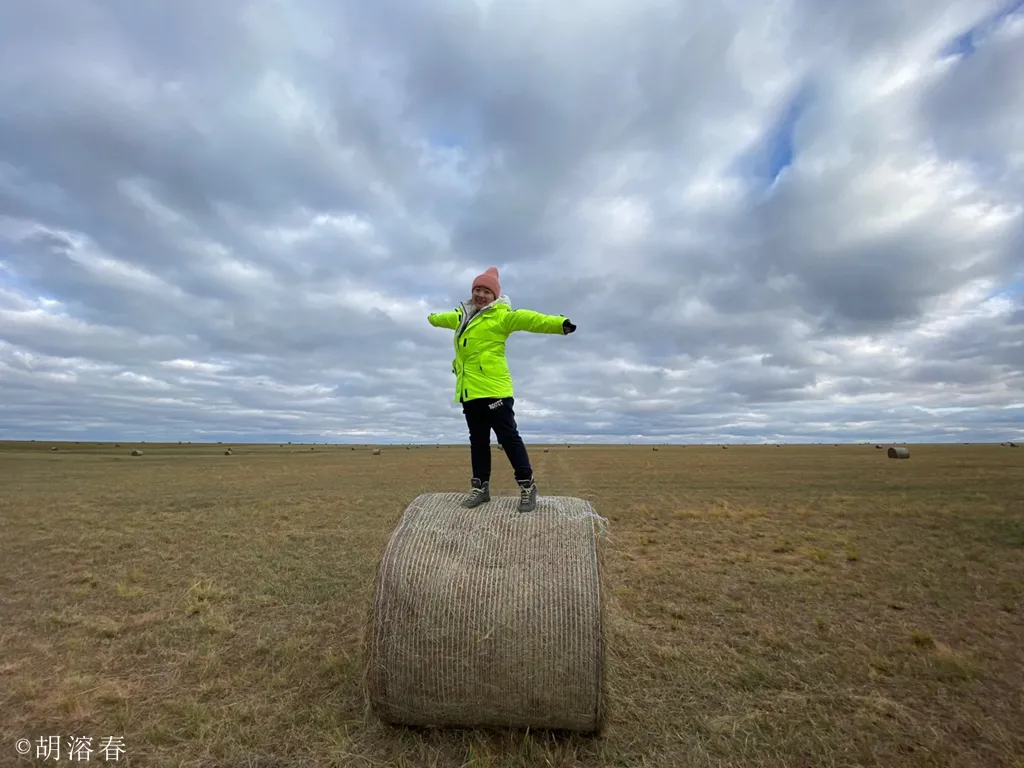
<point x="878" y="447"/>
<point x="899" y="453"/>
<point x="136" y="452"/>
<point x="376" y="451"/>
<point x="54" y="448"/>
<point x="655" y="448"/>
<point x="1013" y="445"/>
<point x="227" y="452"/>
<point x="492" y="621"/>
<point x="546" y="450"/>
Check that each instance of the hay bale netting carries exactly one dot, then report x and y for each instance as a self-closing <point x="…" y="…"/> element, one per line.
<point x="899" y="452"/>
<point x="136" y="452"/>
<point x="491" y="621"/>
<point x="376" y="451"/>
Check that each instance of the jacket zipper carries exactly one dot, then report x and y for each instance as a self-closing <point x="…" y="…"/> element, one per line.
<point x="458" y="335"/>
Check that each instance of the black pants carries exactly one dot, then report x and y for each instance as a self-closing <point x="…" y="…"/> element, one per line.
<point x="483" y="415"/>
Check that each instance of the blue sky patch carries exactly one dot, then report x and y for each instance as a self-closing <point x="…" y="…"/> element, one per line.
<point x="775" y="152"/>
<point x="967" y="42"/>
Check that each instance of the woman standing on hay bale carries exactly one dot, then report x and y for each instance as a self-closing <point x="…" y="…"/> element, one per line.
<point x="483" y="383"/>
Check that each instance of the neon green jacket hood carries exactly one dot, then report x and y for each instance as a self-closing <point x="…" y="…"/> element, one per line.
<point x="480" y="366"/>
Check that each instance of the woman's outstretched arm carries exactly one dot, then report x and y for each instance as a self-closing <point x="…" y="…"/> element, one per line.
<point x="445" y="319"/>
<point x="536" y="322"/>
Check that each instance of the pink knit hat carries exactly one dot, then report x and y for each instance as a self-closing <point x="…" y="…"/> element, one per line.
<point x="489" y="280"/>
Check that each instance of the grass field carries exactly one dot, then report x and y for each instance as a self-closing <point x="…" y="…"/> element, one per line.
<point x="790" y="606"/>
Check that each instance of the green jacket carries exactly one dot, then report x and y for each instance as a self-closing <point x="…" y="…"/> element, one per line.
<point x="480" y="367"/>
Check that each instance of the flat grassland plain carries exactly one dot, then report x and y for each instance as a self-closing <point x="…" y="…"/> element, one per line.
<point x="770" y="606"/>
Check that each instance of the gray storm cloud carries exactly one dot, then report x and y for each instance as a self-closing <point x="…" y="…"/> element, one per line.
<point x="786" y="222"/>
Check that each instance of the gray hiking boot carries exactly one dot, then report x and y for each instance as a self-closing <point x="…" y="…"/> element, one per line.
<point x="527" y="495"/>
<point x="478" y="494"/>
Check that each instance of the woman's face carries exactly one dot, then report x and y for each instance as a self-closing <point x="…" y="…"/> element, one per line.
<point x="482" y="296"/>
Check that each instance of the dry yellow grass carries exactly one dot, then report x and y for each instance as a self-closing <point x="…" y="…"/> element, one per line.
<point x="802" y="606"/>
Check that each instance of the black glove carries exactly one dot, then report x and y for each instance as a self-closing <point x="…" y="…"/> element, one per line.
<point x="567" y="327"/>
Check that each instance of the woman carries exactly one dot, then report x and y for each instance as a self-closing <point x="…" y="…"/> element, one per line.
<point x="483" y="383"/>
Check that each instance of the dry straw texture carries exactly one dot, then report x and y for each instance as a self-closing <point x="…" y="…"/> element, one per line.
<point x="899" y="453"/>
<point x="490" y="618"/>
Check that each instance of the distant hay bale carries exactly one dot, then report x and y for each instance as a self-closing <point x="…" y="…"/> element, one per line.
<point x="899" y="453"/>
<point x="227" y="452"/>
<point x="1013" y="445"/>
<point x="489" y="620"/>
<point x="376" y="451"/>
<point x="878" y="447"/>
<point x="136" y="452"/>
<point x="54" y="448"/>
<point x="725" y="447"/>
<point x="546" y="450"/>
<point x="655" y="448"/>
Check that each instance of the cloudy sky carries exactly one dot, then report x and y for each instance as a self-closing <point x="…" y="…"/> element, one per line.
<point x="793" y="220"/>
